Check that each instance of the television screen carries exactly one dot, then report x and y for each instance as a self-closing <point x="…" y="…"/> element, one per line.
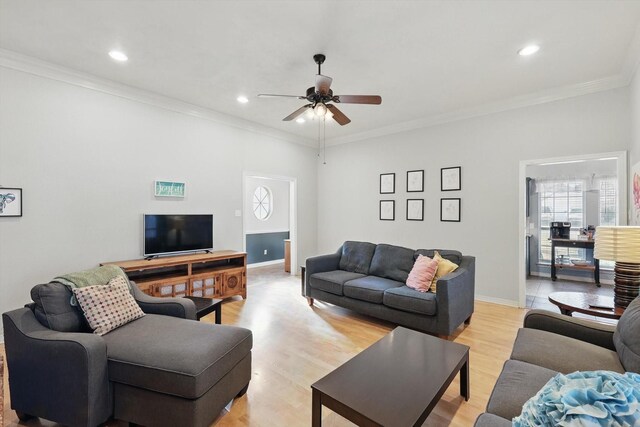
<point x="166" y="234"/>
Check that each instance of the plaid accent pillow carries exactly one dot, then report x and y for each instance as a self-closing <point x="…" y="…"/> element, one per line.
<point x="107" y="307"/>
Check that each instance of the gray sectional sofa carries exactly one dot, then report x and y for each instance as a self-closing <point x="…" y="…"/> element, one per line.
<point x="370" y="279"/>
<point x="164" y="369"/>
<point x="551" y="343"/>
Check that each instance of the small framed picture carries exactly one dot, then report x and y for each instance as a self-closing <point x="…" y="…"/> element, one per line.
<point x="387" y="183"/>
<point x="169" y="189"/>
<point x="10" y="202"/>
<point x="415" y="209"/>
<point x="387" y="210"/>
<point x="415" y="181"/>
<point x="450" y="179"/>
<point x="450" y="210"/>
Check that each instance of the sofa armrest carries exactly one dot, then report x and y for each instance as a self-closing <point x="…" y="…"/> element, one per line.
<point x="581" y="329"/>
<point x="174" y="307"/>
<point x="321" y="263"/>
<point x="60" y="376"/>
<point x="455" y="295"/>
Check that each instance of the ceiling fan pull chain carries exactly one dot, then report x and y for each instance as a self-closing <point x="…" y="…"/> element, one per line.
<point x="324" y="140"/>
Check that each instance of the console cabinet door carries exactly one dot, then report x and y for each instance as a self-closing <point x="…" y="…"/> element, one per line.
<point x="233" y="282"/>
<point x="177" y="288"/>
<point x="206" y="286"/>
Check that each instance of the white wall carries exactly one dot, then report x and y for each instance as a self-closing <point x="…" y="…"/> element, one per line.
<point x="489" y="149"/>
<point x="86" y="161"/>
<point x="634" y="217"/>
<point x="279" y="218"/>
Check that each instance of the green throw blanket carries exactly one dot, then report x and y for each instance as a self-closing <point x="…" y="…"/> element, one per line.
<point x="95" y="276"/>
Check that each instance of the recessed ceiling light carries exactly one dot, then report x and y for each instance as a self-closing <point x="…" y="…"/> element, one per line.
<point x="242" y="99"/>
<point x="529" y="50"/>
<point x="118" y="56"/>
<point x="300" y="120"/>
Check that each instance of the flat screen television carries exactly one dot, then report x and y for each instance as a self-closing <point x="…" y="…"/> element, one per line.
<point x="174" y="234"/>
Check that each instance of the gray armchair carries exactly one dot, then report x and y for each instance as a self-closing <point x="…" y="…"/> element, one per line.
<point x="140" y="372"/>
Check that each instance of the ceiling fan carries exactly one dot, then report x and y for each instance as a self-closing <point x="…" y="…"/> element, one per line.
<point x="320" y="96"/>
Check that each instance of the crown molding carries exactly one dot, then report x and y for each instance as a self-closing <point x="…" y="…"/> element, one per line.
<point x="541" y="97"/>
<point x="632" y="61"/>
<point x="16" y="61"/>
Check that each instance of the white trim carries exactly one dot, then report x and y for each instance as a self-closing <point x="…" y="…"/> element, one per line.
<point x="265" y="263"/>
<point x="621" y="157"/>
<point x="500" y="301"/>
<point x="27" y="64"/>
<point x="37" y="67"/>
<point x="266" y="231"/>
<point x="542" y="97"/>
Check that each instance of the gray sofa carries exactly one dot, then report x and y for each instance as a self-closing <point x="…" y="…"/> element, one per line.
<point x="551" y="343"/>
<point x="370" y="279"/>
<point x="162" y="369"/>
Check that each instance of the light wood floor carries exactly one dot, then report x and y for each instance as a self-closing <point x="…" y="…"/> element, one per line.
<point x="295" y="345"/>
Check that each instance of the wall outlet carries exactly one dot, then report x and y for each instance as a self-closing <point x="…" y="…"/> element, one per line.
<point x="265" y="251"/>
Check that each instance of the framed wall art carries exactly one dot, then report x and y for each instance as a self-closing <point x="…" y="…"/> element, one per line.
<point x="387" y="210"/>
<point x="450" y="179"/>
<point x="450" y="210"/>
<point x="10" y="201"/>
<point x="415" y="209"/>
<point x="387" y="183"/>
<point x="169" y="189"/>
<point x="415" y="181"/>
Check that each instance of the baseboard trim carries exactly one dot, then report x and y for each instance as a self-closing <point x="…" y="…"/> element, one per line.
<point x="500" y="301"/>
<point x="265" y="263"/>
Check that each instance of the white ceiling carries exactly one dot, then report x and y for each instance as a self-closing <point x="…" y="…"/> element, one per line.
<point x="425" y="58"/>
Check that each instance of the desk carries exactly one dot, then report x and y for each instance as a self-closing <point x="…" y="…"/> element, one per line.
<point x="569" y="243"/>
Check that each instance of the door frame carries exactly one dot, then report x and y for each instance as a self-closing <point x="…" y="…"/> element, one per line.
<point x="293" y="211"/>
<point x="622" y="171"/>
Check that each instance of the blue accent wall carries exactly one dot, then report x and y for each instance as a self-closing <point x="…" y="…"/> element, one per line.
<point x="273" y="243"/>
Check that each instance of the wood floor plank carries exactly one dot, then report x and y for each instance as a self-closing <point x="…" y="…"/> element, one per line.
<point x="295" y="345"/>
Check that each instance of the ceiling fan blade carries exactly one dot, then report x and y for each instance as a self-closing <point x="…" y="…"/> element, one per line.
<point x="358" y="99"/>
<point x="296" y="113"/>
<point x="271" y="95"/>
<point x="338" y="115"/>
<point x="323" y="84"/>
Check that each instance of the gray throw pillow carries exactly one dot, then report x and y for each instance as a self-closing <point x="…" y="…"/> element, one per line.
<point x="392" y="262"/>
<point x="53" y="308"/>
<point x="626" y="338"/>
<point x="356" y="256"/>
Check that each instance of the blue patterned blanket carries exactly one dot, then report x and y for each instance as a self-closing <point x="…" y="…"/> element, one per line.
<point x="585" y="399"/>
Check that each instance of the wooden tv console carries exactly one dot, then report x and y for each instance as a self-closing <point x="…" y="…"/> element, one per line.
<point x="219" y="274"/>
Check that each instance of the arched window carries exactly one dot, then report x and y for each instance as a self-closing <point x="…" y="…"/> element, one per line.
<point x="262" y="203"/>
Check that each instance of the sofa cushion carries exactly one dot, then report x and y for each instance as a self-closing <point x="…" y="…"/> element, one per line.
<point x="332" y="281"/>
<point x="392" y="262"/>
<point x="406" y="299"/>
<point x="53" y="308"/>
<point x="453" y="256"/>
<point x="369" y="288"/>
<point x="108" y="307"/>
<point x="356" y="257"/>
<point x="517" y="383"/>
<point x="490" y="420"/>
<point x="626" y="338"/>
<point x="561" y="353"/>
<point x="174" y="356"/>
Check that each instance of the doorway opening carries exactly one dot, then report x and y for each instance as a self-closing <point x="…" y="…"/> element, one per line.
<point x="566" y="198"/>
<point x="269" y="220"/>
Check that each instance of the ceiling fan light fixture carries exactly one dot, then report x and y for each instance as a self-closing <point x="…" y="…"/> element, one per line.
<point x="116" y="55"/>
<point x="242" y="99"/>
<point x="300" y="120"/>
<point x="320" y="109"/>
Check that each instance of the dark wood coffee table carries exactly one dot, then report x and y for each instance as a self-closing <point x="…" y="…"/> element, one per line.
<point x="206" y="306"/>
<point x="582" y="302"/>
<point x="395" y="382"/>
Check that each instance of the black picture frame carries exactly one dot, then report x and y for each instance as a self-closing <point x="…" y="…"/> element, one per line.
<point x="393" y="183"/>
<point x="393" y="210"/>
<point x="421" y="172"/>
<point x="457" y="217"/>
<point x="10" y="195"/>
<point x="449" y="186"/>
<point x="421" y="218"/>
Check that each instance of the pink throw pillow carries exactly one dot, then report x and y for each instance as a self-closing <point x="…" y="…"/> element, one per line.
<point x="422" y="273"/>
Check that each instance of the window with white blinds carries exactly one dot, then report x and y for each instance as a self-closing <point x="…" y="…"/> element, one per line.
<point x="564" y="200"/>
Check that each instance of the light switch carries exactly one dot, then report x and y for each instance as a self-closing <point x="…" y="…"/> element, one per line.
<point x="238" y="212"/>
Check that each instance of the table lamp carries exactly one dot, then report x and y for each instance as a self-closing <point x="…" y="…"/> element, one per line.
<point x="622" y="245"/>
